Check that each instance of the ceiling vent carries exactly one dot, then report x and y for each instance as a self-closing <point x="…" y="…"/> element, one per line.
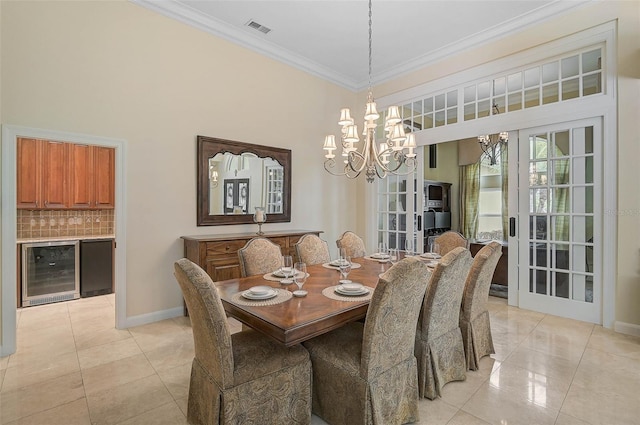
<point x="256" y="26"/>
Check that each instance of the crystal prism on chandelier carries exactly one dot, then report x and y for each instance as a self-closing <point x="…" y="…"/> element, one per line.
<point x="375" y="159"/>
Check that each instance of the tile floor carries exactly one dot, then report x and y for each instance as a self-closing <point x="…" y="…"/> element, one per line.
<point x="73" y="367"/>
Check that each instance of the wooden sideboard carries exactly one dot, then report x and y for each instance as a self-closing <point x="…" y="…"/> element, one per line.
<point x="500" y="275"/>
<point x="218" y="254"/>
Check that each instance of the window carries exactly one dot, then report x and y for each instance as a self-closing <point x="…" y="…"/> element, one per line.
<point x="490" y="201"/>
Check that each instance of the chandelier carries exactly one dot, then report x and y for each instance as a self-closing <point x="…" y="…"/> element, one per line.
<point x="492" y="144"/>
<point x="387" y="157"/>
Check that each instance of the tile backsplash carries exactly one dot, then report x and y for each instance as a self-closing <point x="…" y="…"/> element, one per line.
<point x="64" y="223"/>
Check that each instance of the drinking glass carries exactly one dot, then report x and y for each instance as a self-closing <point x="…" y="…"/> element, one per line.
<point x="434" y="248"/>
<point x="287" y="269"/>
<point x="382" y="249"/>
<point x="300" y="275"/>
<point x="345" y="267"/>
<point x="408" y="247"/>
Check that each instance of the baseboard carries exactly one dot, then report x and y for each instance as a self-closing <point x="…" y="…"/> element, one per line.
<point x="156" y="316"/>
<point x="627" y="328"/>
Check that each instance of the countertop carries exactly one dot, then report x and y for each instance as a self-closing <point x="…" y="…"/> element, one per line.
<point x="64" y="238"/>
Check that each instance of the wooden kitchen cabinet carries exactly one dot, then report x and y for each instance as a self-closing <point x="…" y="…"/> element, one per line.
<point x="218" y="254"/>
<point x="42" y="178"/>
<point x="91" y="177"/>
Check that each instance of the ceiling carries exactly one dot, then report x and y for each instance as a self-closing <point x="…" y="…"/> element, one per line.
<point x="329" y="38"/>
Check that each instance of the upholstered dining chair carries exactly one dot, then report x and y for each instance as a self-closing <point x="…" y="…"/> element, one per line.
<point x="352" y="243"/>
<point x="241" y="378"/>
<point x="474" y="315"/>
<point x="439" y="348"/>
<point x="449" y="240"/>
<point x="310" y="249"/>
<point x="259" y="256"/>
<point x="365" y="373"/>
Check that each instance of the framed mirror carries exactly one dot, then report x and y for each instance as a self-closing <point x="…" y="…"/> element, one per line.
<point x="235" y="177"/>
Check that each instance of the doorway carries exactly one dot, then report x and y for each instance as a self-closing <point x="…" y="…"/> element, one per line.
<point x="10" y="135"/>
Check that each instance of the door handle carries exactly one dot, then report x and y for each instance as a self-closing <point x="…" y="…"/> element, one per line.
<point x="512" y="226"/>
<point x="419" y="222"/>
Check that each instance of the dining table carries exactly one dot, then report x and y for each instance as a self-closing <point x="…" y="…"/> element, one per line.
<point x="298" y="319"/>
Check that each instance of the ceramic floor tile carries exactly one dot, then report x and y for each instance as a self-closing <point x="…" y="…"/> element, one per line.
<point x="564" y="419"/>
<point x="178" y="351"/>
<point x="106" y="353"/>
<point x="184" y="322"/>
<point x="546" y="364"/>
<point x="74" y="413"/>
<point x="530" y="386"/>
<point x="156" y="335"/>
<point x="99" y="337"/>
<point x="40" y="397"/>
<point x="435" y="412"/>
<point x="55" y="322"/>
<point x="602" y="407"/>
<point x="111" y="298"/>
<point x="40" y="370"/>
<point x="168" y="414"/>
<point x="116" y="373"/>
<point x="500" y="407"/>
<point x="37" y="350"/>
<point x="182" y="404"/>
<point x="568" y="346"/>
<point x="2" y="372"/>
<point x="177" y="380"/>
<point x="127" y="401"/>
<point x="457" y="393"/>
<point x="90" y="324"/>
<point x="463" y="418"/>
<point x="4" y="362"/>
<point x="612" y="342"/>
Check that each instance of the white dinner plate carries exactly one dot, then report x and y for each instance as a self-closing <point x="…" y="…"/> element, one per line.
<point x="339" y="291"/>
<point x="248" y="295"/>
<point x="380" y="256"/>
<point x="430" y="255"/>
<point x="335" y="263"/>
<point x="352" y="287"/>
<point x="260" y="290"/>
<point x="279" y="273"/>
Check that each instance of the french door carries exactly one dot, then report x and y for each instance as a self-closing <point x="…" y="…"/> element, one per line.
<point x="560" y="219"/>
<point x="400" y="206"/>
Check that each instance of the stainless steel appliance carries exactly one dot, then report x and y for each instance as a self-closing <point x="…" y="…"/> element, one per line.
<point x="50" y="272"/>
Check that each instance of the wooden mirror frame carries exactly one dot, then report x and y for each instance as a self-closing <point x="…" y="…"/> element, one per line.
<point x="208" y="147"/>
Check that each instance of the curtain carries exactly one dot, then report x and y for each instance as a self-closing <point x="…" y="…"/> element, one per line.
<point x="504" y="171"/>
<point x="469" y="194"/>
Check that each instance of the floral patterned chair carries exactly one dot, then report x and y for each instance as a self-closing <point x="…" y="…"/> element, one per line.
<point x="241" y="378"/>
<point x="439" y="348"/>
<point x="310" y="249"/>
<point x="365" y="373"/>
<point x="474" y="315"/>
<point x="352" y="243"/>
<point x="259" y="256"/>
<point x="450" y="240"/>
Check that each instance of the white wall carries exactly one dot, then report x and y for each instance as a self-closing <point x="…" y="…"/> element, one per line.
<point x="627" y="15"/>
<point x="118" y="70"/>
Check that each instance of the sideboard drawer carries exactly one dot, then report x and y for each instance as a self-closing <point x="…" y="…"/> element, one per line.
<point x="224" y="248"/>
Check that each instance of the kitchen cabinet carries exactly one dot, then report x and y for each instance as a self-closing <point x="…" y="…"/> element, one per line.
<point x="218" y="254"/>
<point x="42" y="180"/>
<point x="91" y="177"/>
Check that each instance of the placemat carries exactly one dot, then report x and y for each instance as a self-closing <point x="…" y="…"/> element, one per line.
<point x="283" y="295"/>
<point x="353" y="266"/>
<point x="379" y="260"/>
<point x="272" y="278"/>
<point x="330" y="293"/>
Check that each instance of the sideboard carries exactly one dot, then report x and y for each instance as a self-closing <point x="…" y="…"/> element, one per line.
<point x="218" y="254"/>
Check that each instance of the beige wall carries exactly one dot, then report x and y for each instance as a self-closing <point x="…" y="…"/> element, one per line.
<point x="627" y="14"/>
<point x="117" y="70"/>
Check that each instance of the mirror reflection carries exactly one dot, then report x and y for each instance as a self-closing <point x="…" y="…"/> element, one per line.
<point x="239" y="183"/>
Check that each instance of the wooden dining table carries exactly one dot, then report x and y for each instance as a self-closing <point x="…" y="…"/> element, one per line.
<point x="301" y="318"/>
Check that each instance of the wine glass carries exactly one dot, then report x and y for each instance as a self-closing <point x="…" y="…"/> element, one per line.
<point x="382" y="250"/>
<point x="434" y="249"/>
<point x="287" y="269"/>
<point x="408" y="247"/>
<point x="300" y="277"/>
<point x="345" y="268"/>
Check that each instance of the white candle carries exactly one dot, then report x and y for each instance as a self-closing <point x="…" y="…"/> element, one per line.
<point x="259" y="216"/>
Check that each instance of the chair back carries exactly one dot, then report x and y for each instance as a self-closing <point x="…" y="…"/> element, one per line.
<point x="259" y="256"/>
<point x="311" y="250"/>
<point x="211" y="335"/>
<point x="476" y="290"/>
<point x="352" y="243"/>
<point x="450" y="240"/>
<point x="441" y="308"/>
<point x="390" y="326"/>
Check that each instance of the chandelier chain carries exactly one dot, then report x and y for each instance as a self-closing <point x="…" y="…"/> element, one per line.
<point x="370" y="48"/>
